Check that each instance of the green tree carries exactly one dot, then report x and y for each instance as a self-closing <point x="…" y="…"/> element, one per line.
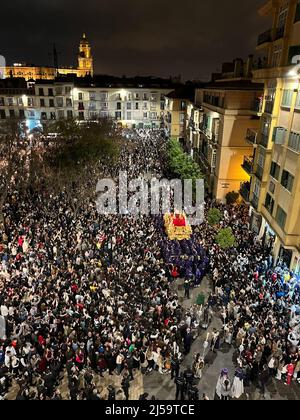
<point x="74" y="158"/>
<point x="180" y="163"/>
<point x="225" y="238"/>
<point x="214" y="216"/>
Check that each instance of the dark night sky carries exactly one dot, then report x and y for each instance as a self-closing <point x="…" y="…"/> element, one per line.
<point x="159" y="37"/>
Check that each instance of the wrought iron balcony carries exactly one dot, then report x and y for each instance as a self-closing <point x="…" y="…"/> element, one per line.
<point x="245" y="191"/>
<point x="264" y="37"/>
<point x="251" y="136"/>
<point x="279" y="33"/>
<point x="259" y="172"/>
<point x="264" y="140"/>
<point x="269" y="107"/>
<point x="247" y="165"/>
<point x="255" y="201"/>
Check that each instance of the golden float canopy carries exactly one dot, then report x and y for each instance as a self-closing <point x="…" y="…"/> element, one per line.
<point x="177" y="226"/>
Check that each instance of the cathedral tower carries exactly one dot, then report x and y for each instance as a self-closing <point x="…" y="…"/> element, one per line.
<point x="85" y="59"/>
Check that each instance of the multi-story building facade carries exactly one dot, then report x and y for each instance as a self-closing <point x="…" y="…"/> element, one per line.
<point x="275" y="183"/>
<point x="229" y="108"/>
<point x="32" y="72"/>
<point x="175" y="112"/>
<point x="131" y="102"/>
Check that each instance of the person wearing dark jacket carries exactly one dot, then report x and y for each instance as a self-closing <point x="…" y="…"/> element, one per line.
<point x="126" y="386"/>
<point x="180" y="387"/>
<point x="175" y="367"/>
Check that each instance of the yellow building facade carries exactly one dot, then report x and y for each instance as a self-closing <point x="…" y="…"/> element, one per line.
<point x="230" y="109"/>
<point x="275" y="183"/>
<point x="85" y="66"/>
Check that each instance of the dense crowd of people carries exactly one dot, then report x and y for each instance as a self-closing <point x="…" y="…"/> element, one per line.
<point x="88" y="295"/>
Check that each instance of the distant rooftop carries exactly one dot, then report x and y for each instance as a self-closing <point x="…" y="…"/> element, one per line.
<point x="241" y="84"/>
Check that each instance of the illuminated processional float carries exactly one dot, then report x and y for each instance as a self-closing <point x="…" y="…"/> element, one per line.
<point x="177" y="226"/>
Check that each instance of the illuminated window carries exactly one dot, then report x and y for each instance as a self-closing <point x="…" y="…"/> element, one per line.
<point x="287" y="98"/>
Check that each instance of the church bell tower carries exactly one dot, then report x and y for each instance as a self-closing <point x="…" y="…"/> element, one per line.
<point x="85" y="58"/>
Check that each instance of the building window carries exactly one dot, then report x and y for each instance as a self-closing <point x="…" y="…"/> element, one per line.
<point x="145" y="115"/>
<point x="182" y="118"/>
<point x="92" y="106"/>
<point x="145" y="105"/>
<point x="119" y="105"/>
<point x="92" y="96"/>
<point x="128" y="115"/>
<point x="93" y="116"/>
<point x="69" y="114"/>
<point x="261" y="160"/>
<point x="81" y="116"/>
<point x="269" y="204"/>
<point x="287" y="98"/>
<point x="275" y="170"/>
<point x="182" y="105"/>
<point x="153" y="115"/>
<point x="58" y="90"/>
<point x="276" y="55"/>
<point x="118" y="115"/>
<point x="129" y="105"/>
<point x="42" y="103"/>
<point x="52" y="116"/>
<point x="10" y="101"/>
<point x="283" y="12"/>
<point x="12" y="113"/>
<point x="61" y="114"/>
<point x="50" y="92"/>
<point x="294" y="142"/>
<point x="145" y="97"/>
<point x="80" y="96"/>
<point x="44" y="115"/>
<point x="51" y="103"/>
<point x="68" y="90"/>
<point x="2" y="114"/>
<point x="137" y="105"/>
<point x="60" y="102"/>
<point x="118" y="97"/>
<point x="287" y="180"/>
<point x="20" y="102"/>
<point x="22" y="113"/>
<point x="41" y="92"/>
<point x="30" y="101"/>
<point x="80" y="106"/>
<point x="103" y="96"/>
<point x="281" y="217"/>
<point x="2" y="103"/>
<point x="137" y="96"/>
<point x="69" y="102"/>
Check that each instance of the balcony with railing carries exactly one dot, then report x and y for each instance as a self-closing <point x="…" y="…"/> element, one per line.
<point x="264" y="140"/>
<point x="251" y="136"/>
<point x="259" y="172"/>
<point x="245" y="191"/>
<point x="269" y="107"/>
<point x="255" y="201"/>
<point x="247" y="165"/>
<point x="279" y="33"/>
<point x="265" y="37"/>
